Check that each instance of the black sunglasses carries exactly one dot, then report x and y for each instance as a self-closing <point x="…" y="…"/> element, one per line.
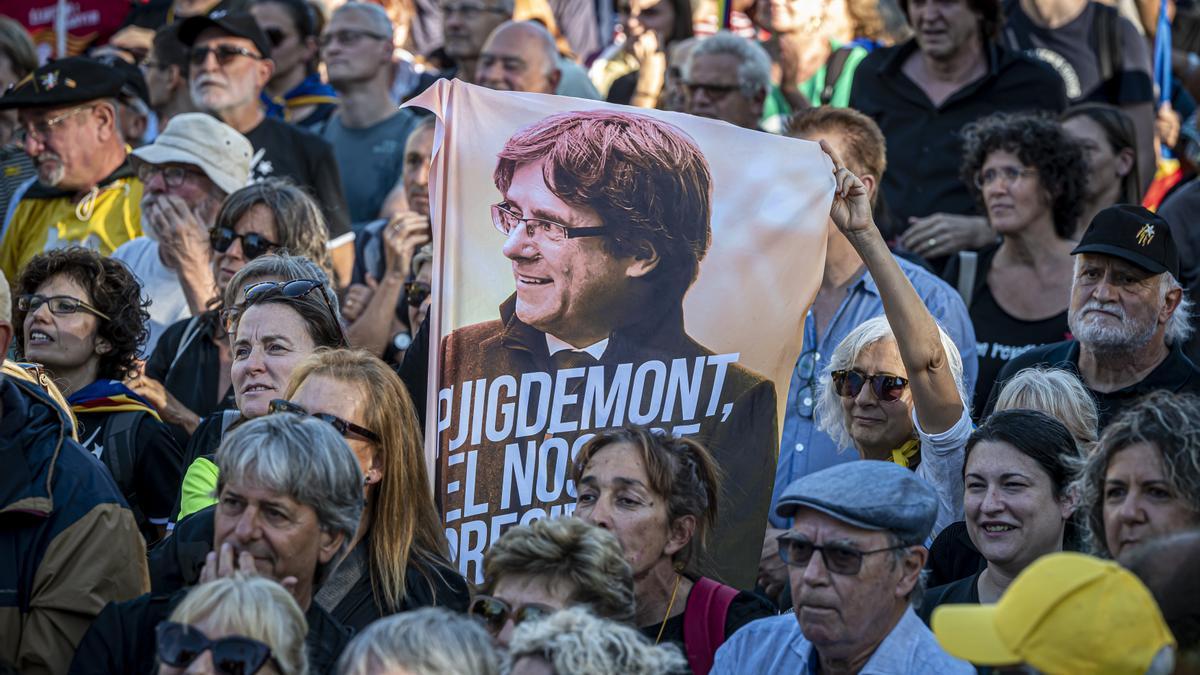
<point x="296" y="288"/>
<point x="842" y="560"/>
<point x="253" y="244"/>
<point x="224" y="53"/>
<point x="848" y="384"/>
<point x="494" y="612"/>
<point x="416" y="292"/>
<point x="180" y="644"/>
<point x="345" y="428"/>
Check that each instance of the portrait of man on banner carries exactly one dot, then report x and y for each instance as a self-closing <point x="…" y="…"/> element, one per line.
<point x="605" y="218"/>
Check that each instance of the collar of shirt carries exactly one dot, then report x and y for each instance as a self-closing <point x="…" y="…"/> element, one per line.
<point x="1171" y="374"/>
<point x="892" y="70"/>
<point x="893" y="655"/>
<point x="596" y="350"/>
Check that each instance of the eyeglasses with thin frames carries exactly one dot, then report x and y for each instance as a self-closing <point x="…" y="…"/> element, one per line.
<point x="41" y="130"/>
<point x="225" y="54"/>
<point x="173" y="176"/>
<point x="507" y="220"/>
<point x="1009" y="174"/>
<point x="60" y="305"/>
<point x="839" y="559"/>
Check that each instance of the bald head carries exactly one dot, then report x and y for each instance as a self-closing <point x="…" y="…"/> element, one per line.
<point x="519" y="56"/>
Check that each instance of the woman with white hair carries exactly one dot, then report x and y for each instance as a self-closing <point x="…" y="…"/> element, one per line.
<point x="426" y="641"/>
<point x="239" y="624"/>
<point x="576" y="641"/>
<point x="893" y="389"/>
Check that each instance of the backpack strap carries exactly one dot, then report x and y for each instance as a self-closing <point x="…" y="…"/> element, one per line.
<point x="120" y="449"/>
<point x="968" y="265"/>
<point x="1108" y="41"/>
<point x="833" y="71"/>
<point x="704" y="622"/>
<point x="189" y="336"/>
<point x="228" y="417"/>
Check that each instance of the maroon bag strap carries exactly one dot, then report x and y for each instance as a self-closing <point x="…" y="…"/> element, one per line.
<point x="704" y="622"/>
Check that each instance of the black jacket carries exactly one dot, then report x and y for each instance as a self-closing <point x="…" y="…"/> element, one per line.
<point x="122" y="638"/>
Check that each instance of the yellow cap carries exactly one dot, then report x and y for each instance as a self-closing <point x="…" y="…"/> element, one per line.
<point x="1066" y="613"/>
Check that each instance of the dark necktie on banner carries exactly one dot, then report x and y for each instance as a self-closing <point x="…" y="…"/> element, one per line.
<point x="696" y="251"/>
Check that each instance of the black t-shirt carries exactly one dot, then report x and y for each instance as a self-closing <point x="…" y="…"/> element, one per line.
<point x="1176" y="374"/>
<point x="188" y="364"/>
<point x="746" y="607"/>
<point x="961" y="592"/>
<point x="1000" y="336"/>
<point x="923" y="140"/>
<point x="157" y="463"/>
<point x="953" y="556"/>
<point x="281" y="150"/>
<point x="1074" y="51"/>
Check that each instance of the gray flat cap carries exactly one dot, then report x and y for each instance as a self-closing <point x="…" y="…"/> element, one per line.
<point x="870" y="494"/>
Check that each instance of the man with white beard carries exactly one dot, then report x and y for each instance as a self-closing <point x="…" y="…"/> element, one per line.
<point x="86" y="193"/>
<point x="1128" y="314"/>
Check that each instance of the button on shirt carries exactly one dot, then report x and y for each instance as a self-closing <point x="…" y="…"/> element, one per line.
<point x="777" y="645"/>
<point x="805" y="449"/>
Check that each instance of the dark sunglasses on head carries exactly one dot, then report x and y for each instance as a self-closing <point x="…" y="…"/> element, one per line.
<point x="297" y="288"/>
<point x="848" y="384"/>
<point x="224" y="53"/>
<point x="416" y="292"/>
<point x="58" y="304"/>
<point x="346" y="429"/>
<point x="180" y="644"/>
<point x="797" y="552"/>
<point x="494" y="612"/>
<point x="253" y="244"/>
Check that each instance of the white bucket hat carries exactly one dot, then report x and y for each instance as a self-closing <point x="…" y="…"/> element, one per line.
<point x="206" y="143"/>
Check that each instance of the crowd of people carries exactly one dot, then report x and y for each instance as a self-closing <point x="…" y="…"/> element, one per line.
<point x="217" y="254"/>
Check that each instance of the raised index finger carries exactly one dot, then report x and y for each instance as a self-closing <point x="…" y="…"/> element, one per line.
<point x="838" y="165"/>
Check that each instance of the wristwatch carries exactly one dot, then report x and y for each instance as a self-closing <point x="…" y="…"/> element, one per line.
<point x="401" y="341"/>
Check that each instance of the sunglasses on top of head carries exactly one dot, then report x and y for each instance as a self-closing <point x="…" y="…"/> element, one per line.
<point x="345" y="428"/>
<point x="849" y="383"/>
<point x="296" y="288"/>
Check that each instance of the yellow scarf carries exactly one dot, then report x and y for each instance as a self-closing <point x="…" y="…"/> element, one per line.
<point x="904" y="454"/>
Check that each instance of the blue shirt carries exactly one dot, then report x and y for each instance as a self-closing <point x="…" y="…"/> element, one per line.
<point x="805" y="449"/>
<point x="776" y="645"/>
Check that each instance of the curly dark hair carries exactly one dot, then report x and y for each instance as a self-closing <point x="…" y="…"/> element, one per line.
<point x="111" y="288"/>
<point x="1039" y="142"/>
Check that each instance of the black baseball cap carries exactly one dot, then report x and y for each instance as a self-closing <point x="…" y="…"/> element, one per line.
<point x="237" y="24"/>
<point x="135" y="81"/>
<point x="1134" y="234"/>
<point x="67" y="81"/>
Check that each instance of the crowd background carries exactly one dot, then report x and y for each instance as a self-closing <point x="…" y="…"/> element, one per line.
<point x="217" y="258"/>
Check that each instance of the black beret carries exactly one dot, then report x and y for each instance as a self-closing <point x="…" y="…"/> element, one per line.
<point x="64" y="82"/>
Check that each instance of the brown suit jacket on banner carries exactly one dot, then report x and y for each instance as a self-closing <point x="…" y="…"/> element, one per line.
<point x="482" y="481"/>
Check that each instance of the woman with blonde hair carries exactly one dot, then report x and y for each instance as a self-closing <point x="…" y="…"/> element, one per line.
<point x="239" y="624"/>
<point x="397" y="560"/>
<point x="1058" y="393"/>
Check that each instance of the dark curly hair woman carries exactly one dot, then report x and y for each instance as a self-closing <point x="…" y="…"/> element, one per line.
<point x="80" y="315"/>
<point x="1029" y="177"/>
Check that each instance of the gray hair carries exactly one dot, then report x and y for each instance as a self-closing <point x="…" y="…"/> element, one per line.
<point x="830" y="417"/>
<point x="5" y="301"/>
<point x="426" y="641"/>
<point x="545" y="41"/>
<point x="754" y="65"/>
<point x="303" y="458"/>
<point x="298" y="219"/>
<point x="1057" y="393"/>
<point x="1179" y="326"/>
<point x="575" y="641"/>
<point x="372" y="12"/>
<point x="283" y="267"/>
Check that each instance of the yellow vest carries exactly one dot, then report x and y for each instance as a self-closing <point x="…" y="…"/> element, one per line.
<point x="105" y="218"/>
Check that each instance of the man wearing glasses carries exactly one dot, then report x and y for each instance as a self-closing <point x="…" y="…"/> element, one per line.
<point x="466" y="24"/>
<point x="368" y="132"/>
<point x="86" y="193"/>
<point x="727" y="77"/>
<point x="230" y="66"/>
<point x="601" y="263"/>
<point x="854" y="558"/>
<point x="187" y="172"/>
